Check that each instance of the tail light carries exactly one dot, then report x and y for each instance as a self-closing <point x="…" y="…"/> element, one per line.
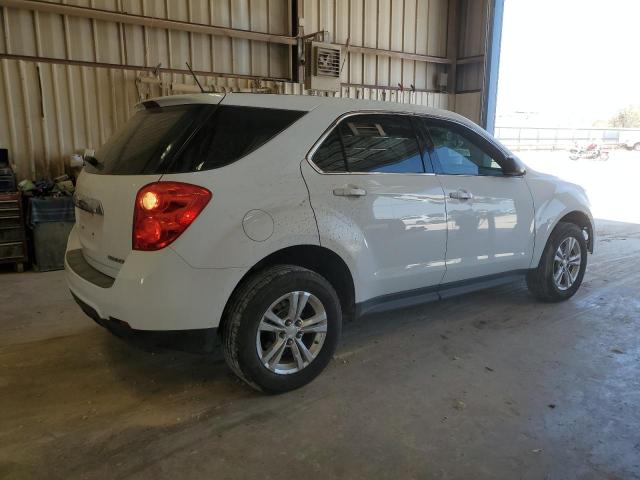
<point x="163" y="211"/>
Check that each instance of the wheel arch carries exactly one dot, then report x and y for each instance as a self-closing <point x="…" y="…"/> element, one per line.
<point x="575" y="216"/>
<point x="583" y="221"/>
<point x="319" y="259"/>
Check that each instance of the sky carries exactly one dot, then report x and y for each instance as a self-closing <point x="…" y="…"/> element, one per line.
<point x="572" y="61"/>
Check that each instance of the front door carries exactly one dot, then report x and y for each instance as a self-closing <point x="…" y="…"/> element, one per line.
<point x="377" y="204"/>
<point x="489" y="215"/>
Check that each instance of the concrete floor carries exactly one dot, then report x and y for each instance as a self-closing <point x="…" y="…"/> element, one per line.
<point x="491" y="385"/>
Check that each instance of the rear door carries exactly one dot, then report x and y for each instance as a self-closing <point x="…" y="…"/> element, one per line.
<point x="489" y="215"/>
<point x="134" y="156"/>
<point x="375" y="199"/>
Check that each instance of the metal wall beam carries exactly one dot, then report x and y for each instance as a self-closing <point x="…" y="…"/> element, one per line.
<point x="137" y="68"/>
<point x="396" y="54"/>
<point x="470" y="60"/>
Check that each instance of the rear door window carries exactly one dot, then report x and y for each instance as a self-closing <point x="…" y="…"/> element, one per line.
<point x="371" y="143"/>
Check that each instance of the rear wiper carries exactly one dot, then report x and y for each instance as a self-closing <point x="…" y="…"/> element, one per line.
<point x="93" y="161"/>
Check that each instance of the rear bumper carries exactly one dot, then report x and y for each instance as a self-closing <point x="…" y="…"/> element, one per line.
<point x="198" y="341"/>
<point x="153" y="291"/>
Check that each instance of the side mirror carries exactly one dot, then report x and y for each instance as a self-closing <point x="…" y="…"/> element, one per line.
<point x="511" y="167"/>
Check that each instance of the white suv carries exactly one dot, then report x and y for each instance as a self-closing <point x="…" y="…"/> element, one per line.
<point x="267" y="219"/>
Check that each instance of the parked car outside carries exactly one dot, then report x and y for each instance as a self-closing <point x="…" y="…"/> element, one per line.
<point x="630" y="139"/>
<point x="265" y="220"/>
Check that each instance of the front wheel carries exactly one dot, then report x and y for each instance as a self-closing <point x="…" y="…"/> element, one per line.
<point x="562" y="266"/>
<point x="636" y="147"/>
<point x="281" y="328"/>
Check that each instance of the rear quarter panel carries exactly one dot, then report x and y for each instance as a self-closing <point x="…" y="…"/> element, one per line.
<point x="268" y="180"/>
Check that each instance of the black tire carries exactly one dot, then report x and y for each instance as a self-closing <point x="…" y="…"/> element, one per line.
<point x="540" y="280"/>
<point x="243" y="315"/>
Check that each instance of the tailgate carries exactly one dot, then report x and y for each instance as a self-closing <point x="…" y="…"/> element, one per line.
<point x="104" y="217"/>
<point x="136" y="155"/>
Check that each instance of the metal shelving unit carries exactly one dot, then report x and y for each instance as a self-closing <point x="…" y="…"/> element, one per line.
<point x="13" y="244"/>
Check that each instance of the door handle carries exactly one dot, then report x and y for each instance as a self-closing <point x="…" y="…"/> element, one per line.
<point x="349" y="191"/>
<point x="460" y="195"/>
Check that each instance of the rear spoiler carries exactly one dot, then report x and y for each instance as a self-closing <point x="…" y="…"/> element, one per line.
<point x="196" y="98"/>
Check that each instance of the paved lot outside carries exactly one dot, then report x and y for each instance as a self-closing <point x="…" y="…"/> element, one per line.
<point x="612" y="185"/>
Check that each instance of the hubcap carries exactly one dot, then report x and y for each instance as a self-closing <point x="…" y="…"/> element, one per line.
<point x="291" y="332"/>
<point x="566" y="263"/>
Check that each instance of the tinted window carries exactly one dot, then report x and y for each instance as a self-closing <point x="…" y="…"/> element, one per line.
<point x="147" y="141"/>
<point x="330" y="157"/>
<point x="456" y="154"/>
<point x="425" y="144"/>
<point x="229" y="134"/>
<point x="371" y="143"/>
<point x="158" y="140"/>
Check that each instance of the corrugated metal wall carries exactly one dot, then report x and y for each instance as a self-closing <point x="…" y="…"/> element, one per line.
<point x="68" y="81"/>
<point x="400" y="25"/>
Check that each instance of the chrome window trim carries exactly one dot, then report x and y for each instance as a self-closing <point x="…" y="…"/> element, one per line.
<point x="308" y="157"/>
<point x="519" y="177"/>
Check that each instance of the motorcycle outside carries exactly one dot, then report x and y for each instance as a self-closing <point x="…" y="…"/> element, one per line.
<point x="592" y="151"/>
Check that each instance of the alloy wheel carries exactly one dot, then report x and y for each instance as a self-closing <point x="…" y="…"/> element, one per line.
<point x="566" y="263"/>
<point x="291" y="332"/>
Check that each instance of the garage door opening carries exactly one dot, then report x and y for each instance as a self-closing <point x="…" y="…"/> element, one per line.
<point x="568" y="98"/>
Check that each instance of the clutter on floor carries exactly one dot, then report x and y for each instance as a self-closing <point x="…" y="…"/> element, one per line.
<point x="46" y="207"/>
<point x="50" y="221"/>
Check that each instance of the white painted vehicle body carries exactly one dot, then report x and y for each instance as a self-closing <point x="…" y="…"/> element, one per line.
<point x="405" y="235"/>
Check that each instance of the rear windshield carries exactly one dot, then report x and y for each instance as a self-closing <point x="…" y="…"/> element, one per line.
<point x="147" y="142"/>
<point x="188" y="138"/>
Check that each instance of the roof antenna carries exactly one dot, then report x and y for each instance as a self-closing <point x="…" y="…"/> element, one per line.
<point x="346" y="47"/>
<point x="194" y="77"/>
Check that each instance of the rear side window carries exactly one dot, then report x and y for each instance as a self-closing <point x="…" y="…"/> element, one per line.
<point x="146" y="143"/>
<point x="330" y="156"/>
<point x="188" y="138"/>
<point x="231" y="133"/>
<point x="371" y="143"/>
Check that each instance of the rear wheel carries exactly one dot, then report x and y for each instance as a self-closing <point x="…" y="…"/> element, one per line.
<point x="281" y="328"/>
<point x="636" y="147"/>
<point x="562" y="266"/>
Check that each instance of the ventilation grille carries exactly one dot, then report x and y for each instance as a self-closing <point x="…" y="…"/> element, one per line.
<point x="327" y="62"/>
<point x="323" y="74"/>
